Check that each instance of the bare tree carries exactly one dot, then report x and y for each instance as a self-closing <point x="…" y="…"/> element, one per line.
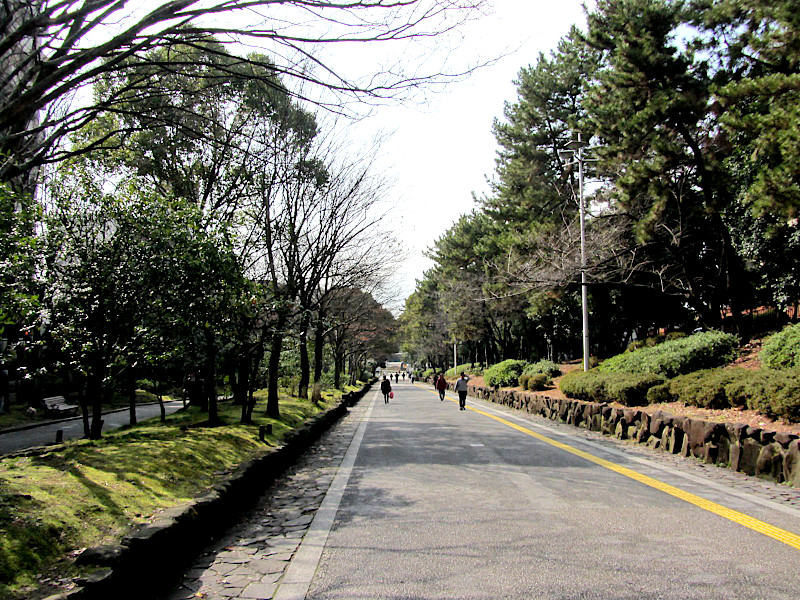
<point x="51" y="49"/>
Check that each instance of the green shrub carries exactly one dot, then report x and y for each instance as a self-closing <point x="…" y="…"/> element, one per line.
<point x="428" y="372"/>
<point x="548" y="367"/>
<point x="782" y="350"/>
<point x="538" y="381"/>
<point x="535" y="381"/>
<point x="775" y="394"/>
<point x="469" y="368"/>
<point x="659" y="394"/>
<point x="584" y="385"/>
<point x="676" y="357"/>
<point x="655" y="340"/>
<point x="674" y="335"/>
<point x="504" y="374"/>
<point x="146" y="385"/>
<point x="629" y="389"/>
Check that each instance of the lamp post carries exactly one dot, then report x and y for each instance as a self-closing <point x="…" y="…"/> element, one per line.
<point x="575" y="152"/>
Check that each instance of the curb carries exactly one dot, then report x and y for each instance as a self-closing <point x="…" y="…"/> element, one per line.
<point x="160" y="548"/>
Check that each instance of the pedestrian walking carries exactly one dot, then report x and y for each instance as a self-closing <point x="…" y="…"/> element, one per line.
<point x="435" y="379"/>
<point x="411" y="377"/>
<point x="386" y="389"/>
<point x="397" y="377"/>
<point x="461" y="387"/>
<point x="404" y="375"/>
<point x="441" y="385"/>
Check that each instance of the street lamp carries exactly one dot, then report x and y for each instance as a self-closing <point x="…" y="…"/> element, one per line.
<point x="574" y="155"/>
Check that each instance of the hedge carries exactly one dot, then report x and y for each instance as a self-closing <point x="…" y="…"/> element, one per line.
<point x="676" y="357"/>
<point x="504" y="374"/>
<point x="775" y="394"/>
<point x="547" y="367"/>
<point x="655" y="340"/>
<point x="629" y="389"/>
<point x="535" y="381"/>
<point x="782" y="350"/>
<point x="470" y="368"/>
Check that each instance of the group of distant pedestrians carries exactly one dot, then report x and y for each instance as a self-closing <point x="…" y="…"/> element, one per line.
<point x="386" y="384"/>
<point x="439" y="384"/>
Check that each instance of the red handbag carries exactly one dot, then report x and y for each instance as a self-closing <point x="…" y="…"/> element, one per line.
<point x="391" y="394"/>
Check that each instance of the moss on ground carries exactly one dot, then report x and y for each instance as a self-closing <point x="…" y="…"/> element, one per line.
<point x="55" y="502"/>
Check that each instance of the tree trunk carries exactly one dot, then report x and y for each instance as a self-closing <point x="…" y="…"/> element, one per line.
<point x="210" y="391"/>
<point x="96" y="400"/>
<point x="273" y="408"/>
<point x="319" y="347"/>
<point x="238" y="378"/>
<point x="161" y="407"/>
<point x="87" y="432"/>
<point x="305" y="367"/>
<point x="240" y="382"/>
<point x="131" y="385"/>
<point x="253" y="379"/>
<point x="338" y="367"/>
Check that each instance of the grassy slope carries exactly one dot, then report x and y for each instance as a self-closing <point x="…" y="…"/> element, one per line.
<point x="84" y="493"/>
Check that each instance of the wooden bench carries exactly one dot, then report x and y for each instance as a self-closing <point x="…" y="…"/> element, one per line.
<point x="57" y="405"/>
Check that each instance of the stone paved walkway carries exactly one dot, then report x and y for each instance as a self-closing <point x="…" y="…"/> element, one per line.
<point x="250" y="559"/>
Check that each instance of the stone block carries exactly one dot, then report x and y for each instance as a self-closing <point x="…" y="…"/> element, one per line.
<point x="701" y="433"/>
<point x="657" y="423"/>
<point x="791" y="464"/>
<point x="748" y="456"/>
<point x="784" y="439"/>
<point x="769" y="464"/>
<point x="104" y="556"/>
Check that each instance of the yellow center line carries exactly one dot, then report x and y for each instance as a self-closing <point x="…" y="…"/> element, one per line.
<point x="787" y="537"/>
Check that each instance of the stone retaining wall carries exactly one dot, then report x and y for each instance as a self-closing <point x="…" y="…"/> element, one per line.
<point x="765" y="454"/>
<point x="149" y="557"/>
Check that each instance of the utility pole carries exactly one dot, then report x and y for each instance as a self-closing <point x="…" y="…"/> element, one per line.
<point x="575" y="152"/>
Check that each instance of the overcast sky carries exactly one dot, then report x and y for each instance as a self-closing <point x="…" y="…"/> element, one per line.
<point x="442" y="151"/>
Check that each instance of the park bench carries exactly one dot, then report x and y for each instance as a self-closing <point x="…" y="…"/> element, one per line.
<point x="57" y="405"/>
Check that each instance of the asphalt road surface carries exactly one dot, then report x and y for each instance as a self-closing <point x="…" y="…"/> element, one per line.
<point x="73" y="428"/>
<point x="441" y="503"/>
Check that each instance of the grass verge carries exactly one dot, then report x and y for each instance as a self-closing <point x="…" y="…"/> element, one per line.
<point x="54" y="502"/>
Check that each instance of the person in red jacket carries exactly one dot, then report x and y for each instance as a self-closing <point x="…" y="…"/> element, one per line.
<point x="441" y="385"/>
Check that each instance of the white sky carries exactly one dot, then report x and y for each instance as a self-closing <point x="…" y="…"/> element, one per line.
<point x="440" y="152"/>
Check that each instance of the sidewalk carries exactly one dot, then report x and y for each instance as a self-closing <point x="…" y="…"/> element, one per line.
<point x="249" y="561"/>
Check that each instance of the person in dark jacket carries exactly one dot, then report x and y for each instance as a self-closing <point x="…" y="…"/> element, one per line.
<point x="386" y="387"/>
<point x="435" y="379"/>
<point x="441" y="385"/>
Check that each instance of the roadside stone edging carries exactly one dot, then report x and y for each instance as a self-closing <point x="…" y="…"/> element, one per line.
<point x="147" y="558"/>
<point x="751" y="450"/>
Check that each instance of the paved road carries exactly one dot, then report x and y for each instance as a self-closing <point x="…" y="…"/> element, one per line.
<point x="432" y="502"/>
<point x="73" y="428"/>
